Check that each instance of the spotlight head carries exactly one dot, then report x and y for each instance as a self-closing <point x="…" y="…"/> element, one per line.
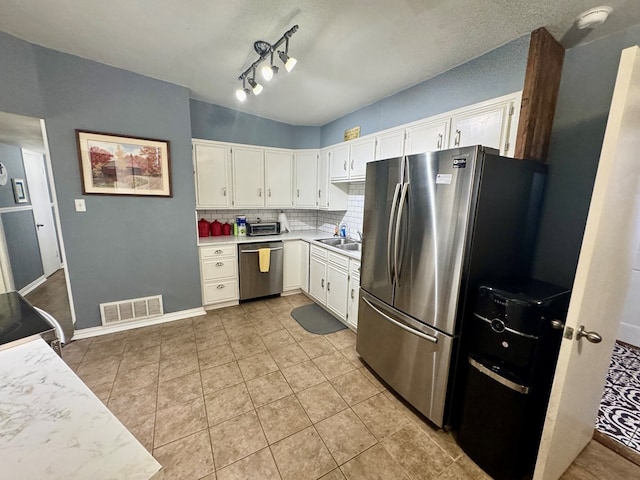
<point x="241" y="94"/>
<point x="255" y="86"/>
<point x="289" y="62"/>
<point x="267" y="72"/>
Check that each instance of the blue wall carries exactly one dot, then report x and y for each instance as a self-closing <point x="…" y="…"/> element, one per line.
<point x="19" y="89"/>
<point x="122" y="247"/>
<point x="11" y="157"/>
<point x="19" y="227"/>
<point x="213" y="122"/>
<point x="586" y="89"/>
<point x="492" y="75"/>
<point x="22" y="246"/>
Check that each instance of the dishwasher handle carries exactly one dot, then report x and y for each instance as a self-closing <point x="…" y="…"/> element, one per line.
<point x="256" y="251"/>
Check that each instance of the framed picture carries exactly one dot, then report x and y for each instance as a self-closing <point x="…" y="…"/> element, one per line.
<point x="19" y="190"/>
<point x="123" y="165"/>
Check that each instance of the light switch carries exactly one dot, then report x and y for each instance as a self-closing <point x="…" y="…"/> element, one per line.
<point x="80" y="205"/>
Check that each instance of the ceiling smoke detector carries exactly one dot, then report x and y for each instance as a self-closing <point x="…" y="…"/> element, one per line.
<point x="593" y="17"/>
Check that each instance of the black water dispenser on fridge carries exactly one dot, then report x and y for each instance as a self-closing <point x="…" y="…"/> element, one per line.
<point x="512" y="338"/>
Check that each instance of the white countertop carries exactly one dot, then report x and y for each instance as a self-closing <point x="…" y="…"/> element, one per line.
<point x="310" y="236"/>
<point x="53" y="427"/>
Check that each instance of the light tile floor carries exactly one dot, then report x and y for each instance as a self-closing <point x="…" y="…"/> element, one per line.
<point x="246" y="393"/>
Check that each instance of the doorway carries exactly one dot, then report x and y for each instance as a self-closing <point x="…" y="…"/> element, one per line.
<point x="31" y="243"/>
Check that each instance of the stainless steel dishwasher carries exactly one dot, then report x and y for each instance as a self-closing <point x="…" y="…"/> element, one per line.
<point x="253" y="282"/>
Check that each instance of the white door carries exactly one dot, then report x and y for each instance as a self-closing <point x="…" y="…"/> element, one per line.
<point x="486" y="127"/>
<point x="291" y="265"/>
<point x="390" y="144"/>
<point x="278" y="167"/>
<point x="317" y="279"/>
<point x="306" y="179"/>
<point x="248" y="177"/>
<point x="212" y="175"/>
<point x="362" y="152"/>
<point x="337" y="290"/>
<point x="323" y="178"/>
<point x="601" y="281"/>
<point x="304" y="266"/>
<point x="427" y="137"/>
<point x="339" y="163"/>
<point x="42" y="211"/>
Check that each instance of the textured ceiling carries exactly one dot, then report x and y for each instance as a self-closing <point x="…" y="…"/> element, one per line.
<point x="350" y="53"/>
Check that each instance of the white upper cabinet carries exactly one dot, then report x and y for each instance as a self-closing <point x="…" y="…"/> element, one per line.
<point x="427" y="136"/>
<point x="248" y="176"/>
<point x="212" y="171"/>
<point x="362" y="151"/>
<point x="306" y="184"/>
<point x="390" y="144"/>
<point x="339" y="162"/>
<point x="330" y="196"/>
<point x="489" y="126"/>
<point x="278" y="168"/>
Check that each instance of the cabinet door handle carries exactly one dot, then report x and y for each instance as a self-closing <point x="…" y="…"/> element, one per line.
<point x="220" y="264"/>
<point x="269" y="193"/>
<point x="298" y="193"/>
<point x="260" y="192"/>
<point x="224" y="191"/>
<point x="218" y="252"/>
<point x="456" y="142"/>
<point x="319" y="193"/>
<point x="352" y="294"/>
<point x="322" y="283"/>
<point x="220" y="287"/>
<point x="345" y="166"/>
<point x="328" y="286"/>
<point x="439" y="140"/>
<point x="352" y="164"/>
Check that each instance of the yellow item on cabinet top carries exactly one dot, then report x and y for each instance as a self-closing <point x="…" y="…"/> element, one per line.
<point x="264" y="257"/>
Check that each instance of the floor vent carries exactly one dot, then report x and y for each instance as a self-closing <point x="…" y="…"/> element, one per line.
<point x="128" y="310"/>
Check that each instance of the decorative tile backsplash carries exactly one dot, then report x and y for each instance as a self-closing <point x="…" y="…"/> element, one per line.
<point x="303" y="219"/>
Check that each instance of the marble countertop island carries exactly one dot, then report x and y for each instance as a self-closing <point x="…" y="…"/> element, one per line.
<point x="53" y="427"/>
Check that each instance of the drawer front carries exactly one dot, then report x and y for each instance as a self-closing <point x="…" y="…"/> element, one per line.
<point x="220" y="291"/>
<point x="318" y="252"/>
<point x="218" y="268"/>
<point x="338" y="260"/>
<point x="217" y="251"/>
<point x="354" y="268"/>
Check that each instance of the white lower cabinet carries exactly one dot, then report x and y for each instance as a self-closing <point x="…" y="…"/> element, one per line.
<point x="354" y="293"/>
<point x="219" y="274"/>
<point x="337" y="287"/>
<point x="295" y="266"/>
<point x="318" y="274"/>
<point x="329" y="280"/>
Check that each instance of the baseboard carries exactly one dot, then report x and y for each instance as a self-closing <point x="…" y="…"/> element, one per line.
<point x="32" y="286"/>
<point x="619" y="448"/>
<point x="215" y="306"/>
<point x="295" y="291"/>
<point x="630" y="334"/>
<point x="167" y="317"/>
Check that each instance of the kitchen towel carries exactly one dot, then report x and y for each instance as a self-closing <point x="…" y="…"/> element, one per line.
<point x="264" y="258"/>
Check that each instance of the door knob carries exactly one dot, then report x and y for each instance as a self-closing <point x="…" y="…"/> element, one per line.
<point x="592" y="337"/>
<point x="39" y="225"/>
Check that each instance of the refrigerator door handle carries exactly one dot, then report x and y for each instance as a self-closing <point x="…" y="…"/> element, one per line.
<point x="390" y="269"/>
<point x="401" y="325"/>
<point x="403" y="197"/>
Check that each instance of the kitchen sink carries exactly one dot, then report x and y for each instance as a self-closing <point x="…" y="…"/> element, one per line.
<point x="350" y="246"/>
<point x="335" y="241"/>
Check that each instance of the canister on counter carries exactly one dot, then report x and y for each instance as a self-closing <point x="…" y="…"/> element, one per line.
<point x="242" y="225"/>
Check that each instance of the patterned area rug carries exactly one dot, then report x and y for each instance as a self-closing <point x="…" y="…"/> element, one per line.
<point x="619" y="414"/>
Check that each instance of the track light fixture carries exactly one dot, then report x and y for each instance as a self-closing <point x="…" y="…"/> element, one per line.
<point x="264" y="51"/>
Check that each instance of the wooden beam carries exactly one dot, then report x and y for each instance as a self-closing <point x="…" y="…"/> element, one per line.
<point x="539" y="96"/>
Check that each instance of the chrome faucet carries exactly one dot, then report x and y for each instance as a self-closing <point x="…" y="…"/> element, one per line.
<point x="359" y="235"/>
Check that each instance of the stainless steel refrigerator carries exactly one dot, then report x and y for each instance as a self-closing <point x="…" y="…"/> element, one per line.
<point x="434" y="225"/>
